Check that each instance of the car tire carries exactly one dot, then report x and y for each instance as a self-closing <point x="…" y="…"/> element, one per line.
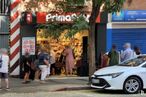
<point x="132" y="85"/>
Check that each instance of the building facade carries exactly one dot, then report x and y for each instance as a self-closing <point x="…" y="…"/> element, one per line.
<point x="11" y="36"/>
<point x="23" y="28"/>
<point x="129" y="25"/>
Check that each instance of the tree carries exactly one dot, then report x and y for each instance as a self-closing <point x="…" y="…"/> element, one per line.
<point x="108" y="6"/>
<point x="99" y="5"/>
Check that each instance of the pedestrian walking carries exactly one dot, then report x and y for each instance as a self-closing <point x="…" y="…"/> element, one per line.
<point x="43" y="64"/>
<point x="37" y="69"/>
<point x="52" y="61"/>
<point x="113" y="56"/>
<point x="4" y="62"/>
<point x="69" y="60"/>
<point x="128" y="52"/>
<point x="27" y="67"/>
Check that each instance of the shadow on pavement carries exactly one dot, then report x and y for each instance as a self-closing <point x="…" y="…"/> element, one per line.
<point x="109" y="91"/>
<point x="114" y="92"/>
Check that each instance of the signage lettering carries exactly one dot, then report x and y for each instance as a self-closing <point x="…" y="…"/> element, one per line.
<point x="61" y="18"/>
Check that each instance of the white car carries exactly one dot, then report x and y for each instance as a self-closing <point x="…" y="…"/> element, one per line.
<point x="129" y="76"/>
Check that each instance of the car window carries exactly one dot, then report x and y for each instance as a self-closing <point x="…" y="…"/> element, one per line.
<point x="134" y="62"/>
<point x="144" y="65"/>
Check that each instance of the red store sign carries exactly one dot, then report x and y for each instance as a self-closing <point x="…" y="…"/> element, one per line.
<point x="43" y="17"/>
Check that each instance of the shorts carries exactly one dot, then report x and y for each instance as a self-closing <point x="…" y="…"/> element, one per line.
<point x="3" y="75"/>
<point x="26" y="69"/>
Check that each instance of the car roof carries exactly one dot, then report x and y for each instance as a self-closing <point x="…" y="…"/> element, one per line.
<point x="142" y="55"/>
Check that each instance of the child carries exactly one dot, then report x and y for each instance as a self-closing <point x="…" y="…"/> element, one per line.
<point x="4" y="62"/>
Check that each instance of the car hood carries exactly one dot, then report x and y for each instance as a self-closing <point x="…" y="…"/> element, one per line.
<point x="112" y="69"/>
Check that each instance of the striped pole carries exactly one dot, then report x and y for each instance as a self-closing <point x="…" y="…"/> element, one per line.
<point x="14" y="37"/>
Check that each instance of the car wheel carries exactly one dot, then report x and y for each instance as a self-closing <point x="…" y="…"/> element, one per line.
<point x="132" y="85"/>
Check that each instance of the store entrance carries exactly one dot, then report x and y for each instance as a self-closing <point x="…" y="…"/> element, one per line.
<point x="55" y="47"/>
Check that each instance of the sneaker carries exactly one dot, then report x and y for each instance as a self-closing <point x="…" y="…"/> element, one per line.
<point x="36" y="80"/>
<point x="43" y="82"/>
<point x="25" y="82"/>
<point x="8" y="89"/>
<point x="1" y="88"/>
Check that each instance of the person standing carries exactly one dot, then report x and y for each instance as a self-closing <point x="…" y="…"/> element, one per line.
<point x="113" y="56"/>
<point x="69" y="60"/>
<point x="43" y="64"/>
<point x="37" y="69"/>
<point x="104" y="60"/>
<point x="52" y="62"/>
<point x="27" y="66"/>
<point x="137" y="50"/>
<point x="128" y="52"/>
<point x="4" y="62"/>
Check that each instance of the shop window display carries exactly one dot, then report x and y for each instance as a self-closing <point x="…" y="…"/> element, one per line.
<point x="58" y="45"/>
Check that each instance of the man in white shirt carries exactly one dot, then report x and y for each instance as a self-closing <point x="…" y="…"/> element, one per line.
<point x="128" y="52"/>
<point x="4" y="62"/>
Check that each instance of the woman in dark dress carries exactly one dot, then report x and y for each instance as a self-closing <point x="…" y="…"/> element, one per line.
<point x="27" y="67"/>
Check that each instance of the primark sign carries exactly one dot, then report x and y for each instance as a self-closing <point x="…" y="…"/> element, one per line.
<point x="61" y="18"/>
<point x="67" y="17"/>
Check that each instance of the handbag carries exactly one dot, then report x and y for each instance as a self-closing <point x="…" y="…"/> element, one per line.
<point x="1" y="61"/>
<point x="58" y="65"/>
<point x="33" y="66"/>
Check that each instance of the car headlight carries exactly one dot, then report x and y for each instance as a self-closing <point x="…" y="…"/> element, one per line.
<point x="114" y="75"/>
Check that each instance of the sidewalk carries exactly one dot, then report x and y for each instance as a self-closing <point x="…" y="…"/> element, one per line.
<point x="56" y="83"/>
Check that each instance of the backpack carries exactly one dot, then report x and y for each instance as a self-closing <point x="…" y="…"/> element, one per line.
<point x="1" y="61"/>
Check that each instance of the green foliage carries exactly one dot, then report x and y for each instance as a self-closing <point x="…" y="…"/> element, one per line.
<point x="79" y="24"/>
<point x="75" y="2"/>
<point x="54" y="30"/>
<point x="113" y="5"/>
<point x="70" y="5"/>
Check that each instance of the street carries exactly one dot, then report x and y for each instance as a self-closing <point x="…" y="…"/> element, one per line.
<point x="59" y="87"/>
<point x="83" y="93"/>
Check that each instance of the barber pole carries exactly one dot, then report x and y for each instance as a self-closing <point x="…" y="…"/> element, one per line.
<point x="14" y="37"/>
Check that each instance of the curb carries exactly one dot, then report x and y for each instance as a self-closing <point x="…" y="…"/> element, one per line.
<point x="73" y="88"/>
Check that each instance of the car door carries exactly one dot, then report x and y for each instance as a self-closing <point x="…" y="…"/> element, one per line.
<point x="143" y="74"/>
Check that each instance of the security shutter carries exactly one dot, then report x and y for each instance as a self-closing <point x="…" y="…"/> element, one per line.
<point x="4" y="41"/>
<point x="4" y="25"/>
<point x="4" y="32"/>
<point x="4" y="7"/>
<point x="137" y="37"/>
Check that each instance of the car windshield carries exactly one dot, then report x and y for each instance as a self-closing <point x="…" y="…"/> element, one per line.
<point x="134" y="62"/>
